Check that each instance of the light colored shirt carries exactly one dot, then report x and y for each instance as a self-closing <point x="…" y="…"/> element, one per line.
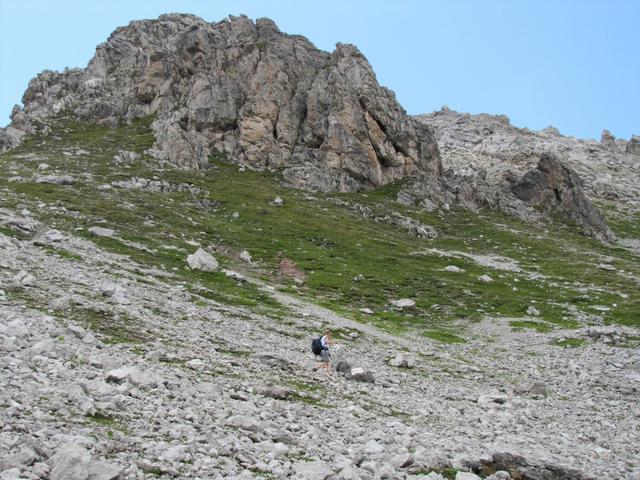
<point x="324" y="342"/>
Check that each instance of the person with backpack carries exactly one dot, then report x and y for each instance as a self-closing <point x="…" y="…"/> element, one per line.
<point x="320" y="347"/>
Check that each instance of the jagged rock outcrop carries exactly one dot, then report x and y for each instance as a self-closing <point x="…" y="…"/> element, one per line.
<point x="608" y="139"/>
<point x="633" y="145"/>
<point x="549" y="187"/>
<point x="488" y="145"/>
<point x="267" y="99"/>
<point x="554" y="187"/>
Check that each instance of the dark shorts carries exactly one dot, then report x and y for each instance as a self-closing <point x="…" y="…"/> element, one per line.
<point x="324" y="356"/>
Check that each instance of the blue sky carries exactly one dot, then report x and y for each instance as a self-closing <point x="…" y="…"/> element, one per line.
<point x="574" y="64"/>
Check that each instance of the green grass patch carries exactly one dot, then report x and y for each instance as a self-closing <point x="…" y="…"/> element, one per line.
<point x="443" y="337"/>
<point x="570" y="342"/>
<point x="539" y="327"/>
<point x="329" y="242"/>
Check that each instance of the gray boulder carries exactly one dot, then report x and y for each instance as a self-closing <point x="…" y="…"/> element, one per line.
<point x="525" y="468"/>
<point x="73" y="462"/>
<point x="202" y="260"/>
<point x="361" y="375"/>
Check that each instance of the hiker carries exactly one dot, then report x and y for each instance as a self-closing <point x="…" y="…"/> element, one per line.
<point x="320" y="347"/>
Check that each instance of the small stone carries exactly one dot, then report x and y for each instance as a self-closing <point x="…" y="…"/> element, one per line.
<point x="607" y="267"/>
<point x="112" y="290"/>
<point x="316" y="470"/>
<point x="434" y="476"/>
<point x="499" y="475"/>
<point x="467" y="476"/>
<point x="358" y="278"/>
<point x="366" y="311"/>
<point x="533" y="311"/>
<point x="361" y="375"/>
<point x="453" y="269"/>
<point x="373" y="447"/>
<point x="245" y="256"/>
<point x="400" y="361"/>
<point x="485" y="278"/>
<point x="53" y="236"/>
<point x="102" y="232"/>
<point x="196" y="364"/>
<point x="118" y="375"/>
<point x="24" y="278"/>
<point x="10" y="474"/>
<point x="404" y="303"/>
<point x="55" y="179"/>
<point x="278" y="201"/>
<point x="60" y="304"/>
<point x="235" y="276"/>
<point x="538" y="389"/>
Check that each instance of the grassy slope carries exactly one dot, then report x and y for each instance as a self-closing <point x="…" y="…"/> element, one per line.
<point x="330" y="243"/>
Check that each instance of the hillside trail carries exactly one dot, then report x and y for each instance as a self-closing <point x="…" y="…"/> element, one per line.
<point x="324" y="317"/>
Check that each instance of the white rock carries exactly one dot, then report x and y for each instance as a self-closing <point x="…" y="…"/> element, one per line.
<point x="176" y="453"/>
<point x="11" y="474"/>
<point x="55" y="179"/>
<point x="403" y="303"/>
<point x="366" y="311"/>
<point x="453" y="269"/>
<point x="361" y="375"/>
<point x="373" y="447"/>
<point x="401" y="361"/>
<point x="316" y="470"/>
<point x="467" y="476"/>
<point x="201" y="260"/>
<point x="24" y="278"/>
<point x="235" y="276"/>
<point x="73" y="462"/>
<point x="53" y="236"/>
<point x="118" y="375"/>
<point x="485" y="278"/>
<point x="245" y="256"/>
<point x="434" y="476"/>
<point x="607" y="267"/>
<point x="533" y="311"/>
<point x="278" y="201"/>
<point x="112" y="290"/>
<point x="195" y="364"/>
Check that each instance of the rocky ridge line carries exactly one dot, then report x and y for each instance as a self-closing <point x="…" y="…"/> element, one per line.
<point x="489" y="147"/>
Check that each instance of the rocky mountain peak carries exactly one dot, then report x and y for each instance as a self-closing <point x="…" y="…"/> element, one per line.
<point x="266" y="99"/>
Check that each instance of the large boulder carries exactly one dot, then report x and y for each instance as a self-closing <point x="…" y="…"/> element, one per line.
<point x="73" y="462"/>
<point x="551" y="186"/>
<point x="267" y="99"/>
<point x="202" y="260"/>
